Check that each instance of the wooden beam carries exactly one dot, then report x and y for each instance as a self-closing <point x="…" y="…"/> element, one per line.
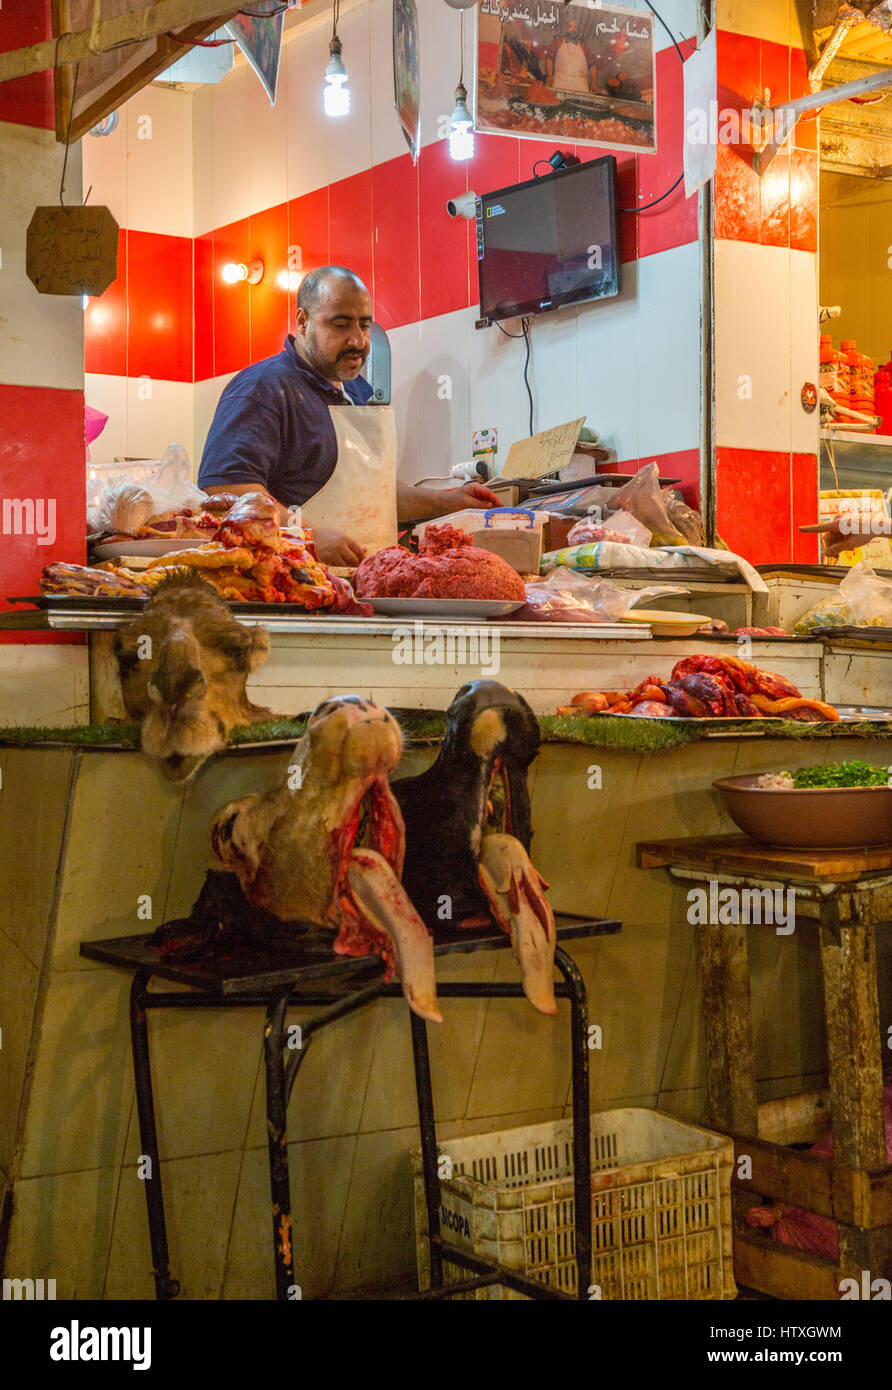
<point x="801" y="1179"/>
<point x="135" y="27"/>
<point x="783" y="1272"/>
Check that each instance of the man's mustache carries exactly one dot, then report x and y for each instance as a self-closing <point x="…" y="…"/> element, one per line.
<point x="353" y="352"/>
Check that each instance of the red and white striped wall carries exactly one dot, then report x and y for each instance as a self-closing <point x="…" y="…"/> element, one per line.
<point x="42" y="450"/>
<point x="197" y="181"/>
<point x="766" y="296"/>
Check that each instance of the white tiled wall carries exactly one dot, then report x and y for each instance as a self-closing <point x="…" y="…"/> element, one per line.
<point x="629" y="365"/>
<point x="137" y="427"/>
<point x="143" y="170"/>
<point x="43" y="686"/>
<point x="251" y="156"/>
<point x="756" y="342"/>
<point x="41" y="335"/>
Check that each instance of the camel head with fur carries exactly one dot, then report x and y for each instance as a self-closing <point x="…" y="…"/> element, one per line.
<point x="184" y="663"/>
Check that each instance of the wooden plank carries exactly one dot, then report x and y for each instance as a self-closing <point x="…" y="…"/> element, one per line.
<point x="781" y="1272"/>
<point x="737" y="854"/>
<point x="727" y="1016"/>
<point x="854" y="1044"/>
<point x="866" y="1251"/>
<point x="99" y="91"/>
<point x="132" y="27"/>
<point x="795" y="1119"/>
<point x="817" y="1184"/>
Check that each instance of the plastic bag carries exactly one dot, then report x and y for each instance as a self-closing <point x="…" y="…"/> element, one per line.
<point x="619" y="527"/>
<point x="577" y="502"/>
<point x="863" y="599"/>
<point x="568" y="597"/>
<point x="123" y="507"/>
<point x="643" y="497"/>
<point x="685" y="520"/>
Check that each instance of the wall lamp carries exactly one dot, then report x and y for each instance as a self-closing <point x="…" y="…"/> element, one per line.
<point x="234" y="271"/>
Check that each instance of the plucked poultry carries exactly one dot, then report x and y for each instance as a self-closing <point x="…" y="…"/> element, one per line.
<point x="468" y="831"/>
<point x="707" y="687"/>
<point x="326" y="847"/>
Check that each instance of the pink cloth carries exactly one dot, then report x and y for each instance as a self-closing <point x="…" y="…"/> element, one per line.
<point x="94" y="423"/>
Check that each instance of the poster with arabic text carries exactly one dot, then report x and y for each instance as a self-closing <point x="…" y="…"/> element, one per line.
<point x="567" y="72"/>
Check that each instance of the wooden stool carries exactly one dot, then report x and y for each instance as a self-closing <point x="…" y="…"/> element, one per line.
<point x="849" y="893"/>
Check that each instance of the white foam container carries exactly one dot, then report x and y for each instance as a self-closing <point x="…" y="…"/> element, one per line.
<point x="474" y="519"/>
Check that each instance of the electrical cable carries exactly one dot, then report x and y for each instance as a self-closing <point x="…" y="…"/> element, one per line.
<point x="218" y="43"/>
<point x="526" y="367"/>
<point x="68" y="133"/>
<point x="669" y="191"/>
<point x="658" y="16"/>
<point x="654" y="202"/>
<point x="461" y="42"/>
<point x="524" y="333"/>
<point x="202" y="43"/>
<point x="536" y="166"/>
<point x="266" y="14"/>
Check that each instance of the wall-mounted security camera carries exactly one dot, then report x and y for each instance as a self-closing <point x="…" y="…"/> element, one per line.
<point x="465" y="205"/>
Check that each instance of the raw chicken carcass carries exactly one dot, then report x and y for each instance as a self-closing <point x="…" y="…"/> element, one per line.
<point x="253" y="521"/>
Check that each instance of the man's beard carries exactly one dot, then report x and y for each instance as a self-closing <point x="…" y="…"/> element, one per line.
<point x="337" y="370"/>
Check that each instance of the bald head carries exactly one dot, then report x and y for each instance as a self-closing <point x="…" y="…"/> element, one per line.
<point x="334" y="315"/>
<point x="313" y="286"/>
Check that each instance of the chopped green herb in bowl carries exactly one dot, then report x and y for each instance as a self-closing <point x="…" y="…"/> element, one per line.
<point x="854" y="774"/>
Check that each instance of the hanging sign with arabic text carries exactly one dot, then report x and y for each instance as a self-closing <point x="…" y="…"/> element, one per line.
<point x="71" y="250"/>
<point x="567" y="72"/>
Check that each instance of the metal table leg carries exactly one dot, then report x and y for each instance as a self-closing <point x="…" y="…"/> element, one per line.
<point x="165" y="1287"/>
<point x="277" y="1138"/>
<point x="582" y="1153"/>
<point x="428" y="1130"/>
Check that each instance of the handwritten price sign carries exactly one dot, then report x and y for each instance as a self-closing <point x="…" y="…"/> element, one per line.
<point x="72" y="250"/>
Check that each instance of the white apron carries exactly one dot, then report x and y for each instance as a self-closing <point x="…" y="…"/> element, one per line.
<point x="570" y="69"/>
<point x="359" y="498"/>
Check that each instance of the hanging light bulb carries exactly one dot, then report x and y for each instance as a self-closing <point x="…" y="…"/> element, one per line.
<point x="461" y="136"/>
<point x="336" y="93"/>
<point x="461" y="133"/>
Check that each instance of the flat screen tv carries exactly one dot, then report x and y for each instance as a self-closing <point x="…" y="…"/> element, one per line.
<point x="549" y="242"/>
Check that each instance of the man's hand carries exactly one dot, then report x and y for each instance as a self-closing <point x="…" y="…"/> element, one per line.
<point x="471" y="495"/>
<point x="847" y="532"/>
<point x="422" y="503"/>
<point x="334" y="548"/>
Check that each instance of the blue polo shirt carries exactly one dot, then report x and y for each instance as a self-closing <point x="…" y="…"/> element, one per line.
<point x="272" y="427"/>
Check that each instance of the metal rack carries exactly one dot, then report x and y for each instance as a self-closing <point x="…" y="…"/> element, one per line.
<point x="313" y="976"/>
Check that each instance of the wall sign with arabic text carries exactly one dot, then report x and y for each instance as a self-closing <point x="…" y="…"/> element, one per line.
<point x="567" y="72"/>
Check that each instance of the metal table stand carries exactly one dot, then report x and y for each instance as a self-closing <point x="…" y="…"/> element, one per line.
<point x="314" y="977"/>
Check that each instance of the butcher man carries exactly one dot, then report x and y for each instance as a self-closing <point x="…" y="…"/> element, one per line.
<point x="282" y="427"/>
<point x="569" y="64"/>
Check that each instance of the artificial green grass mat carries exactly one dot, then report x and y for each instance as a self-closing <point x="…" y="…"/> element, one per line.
<point x="421" y="726"/>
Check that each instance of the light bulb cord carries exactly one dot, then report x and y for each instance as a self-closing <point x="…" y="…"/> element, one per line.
<point x="461" y="45"/>
<point x="335" y="16"/>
